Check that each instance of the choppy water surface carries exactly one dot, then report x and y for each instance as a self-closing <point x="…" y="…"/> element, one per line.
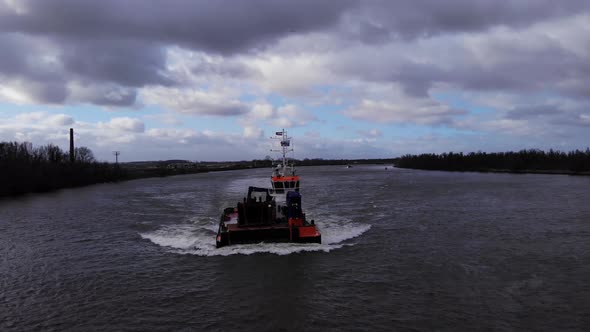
<point x="402" y="249"/>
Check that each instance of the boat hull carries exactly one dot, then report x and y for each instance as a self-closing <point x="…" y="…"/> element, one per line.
<point x="279" y="233"/>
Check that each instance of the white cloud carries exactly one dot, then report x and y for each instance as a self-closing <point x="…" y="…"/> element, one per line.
<point x="193" y="101"/>
<point x="167" y="118"/>
<point x="37" y="120"/>
<point x="123" y="124"/>
<point x="389" y="104"/>
<point x="13" y="93"/>
<point x="31" y="116"/>
<point x="291" y="115"/>
<point x="423" y="112"/>
<point x="253" y="132"/>
<point x="291" y="75"/>
<point x="60" y="120"/>
<point x="262" y="111"/>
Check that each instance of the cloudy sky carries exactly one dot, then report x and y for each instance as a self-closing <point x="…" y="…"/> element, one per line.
<point x="212" y="80"/>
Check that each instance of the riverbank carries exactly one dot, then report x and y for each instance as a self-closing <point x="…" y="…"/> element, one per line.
<point x="50" y="177"/>
<point x="491" y="170"/>
<point x="23" y="184"/>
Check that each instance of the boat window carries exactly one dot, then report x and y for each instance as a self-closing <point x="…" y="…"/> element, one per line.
<point x="297" y="184"/>
<point x="292" y="184"/>
<point x="278" y="185"/>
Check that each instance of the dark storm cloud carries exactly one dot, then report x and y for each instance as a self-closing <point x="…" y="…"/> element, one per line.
<point x="532" y="111"/>
<point x="521" y="70"/>
<point x="21" y="57"/>
<point x="20" y="64"/>
<point x="220" y="26"/>
<point x="225" y="68"/>
<point x="12" y="61"/>
<point x="513" y="68"/>
<point x="576" y="115"/>
<point x="577" y="89"/>
<point x="129" y="63"/>
<point x="425" y="18"/>
<point x="55" y="93"/>
<point x="226" y="26"/>
<point x="114" y="97"/>
<point x="124" y="42"/>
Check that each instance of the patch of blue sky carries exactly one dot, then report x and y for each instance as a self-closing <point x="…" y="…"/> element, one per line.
<point x="329" y="120"/>
<point x="409" y="130"/>
<point x="10" y="110"/>
<point x="84" y="113"/>
<point x="249" y="98"/>
<point x="226" y="125"/>
<point x="275" y="100"/>
<point x="333" y="89"/>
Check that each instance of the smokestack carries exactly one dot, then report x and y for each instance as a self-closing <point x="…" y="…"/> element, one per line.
<point x="72" y="145"/>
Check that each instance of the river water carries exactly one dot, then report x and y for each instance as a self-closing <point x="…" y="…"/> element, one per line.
<point x="402" y="250"/>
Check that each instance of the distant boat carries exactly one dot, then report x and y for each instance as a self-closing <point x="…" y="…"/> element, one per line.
<point x="348" y="166"/>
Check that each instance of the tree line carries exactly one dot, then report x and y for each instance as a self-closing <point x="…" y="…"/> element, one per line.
<point x="576" y="161"/>
<point x="25" y="169"/>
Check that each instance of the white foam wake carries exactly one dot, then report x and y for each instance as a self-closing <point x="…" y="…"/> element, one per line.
<point x="198" y="238"/>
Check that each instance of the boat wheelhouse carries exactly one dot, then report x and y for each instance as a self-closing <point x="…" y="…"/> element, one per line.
<point x="283" y="177"/>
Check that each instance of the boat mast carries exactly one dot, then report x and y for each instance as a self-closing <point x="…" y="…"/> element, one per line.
<point x="285" y="148"/>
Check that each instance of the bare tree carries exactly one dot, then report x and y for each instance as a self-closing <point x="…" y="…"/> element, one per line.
<point x="84" y="155"/>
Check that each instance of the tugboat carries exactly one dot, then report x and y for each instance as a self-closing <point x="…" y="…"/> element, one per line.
<point x="269" y="215"/>
<point x="260" y="219"/>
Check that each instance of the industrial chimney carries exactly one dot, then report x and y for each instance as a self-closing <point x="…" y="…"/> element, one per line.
<point x="72" y="145"/>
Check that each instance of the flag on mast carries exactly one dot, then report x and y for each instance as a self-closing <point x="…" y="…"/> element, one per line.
<point x="279" y="133"/>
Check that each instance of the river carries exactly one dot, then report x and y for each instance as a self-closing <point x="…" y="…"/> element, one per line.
<point x="402" y="250"/>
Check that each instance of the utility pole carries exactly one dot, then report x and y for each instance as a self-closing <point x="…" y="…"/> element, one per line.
<point x="116" y="153"/>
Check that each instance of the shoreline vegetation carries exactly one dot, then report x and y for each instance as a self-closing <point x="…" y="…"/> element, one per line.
<point x="24" y="169"/>
<point x="535" y="161"/>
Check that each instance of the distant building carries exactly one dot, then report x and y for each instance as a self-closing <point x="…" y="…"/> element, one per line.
<point x="181" y="165"/>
